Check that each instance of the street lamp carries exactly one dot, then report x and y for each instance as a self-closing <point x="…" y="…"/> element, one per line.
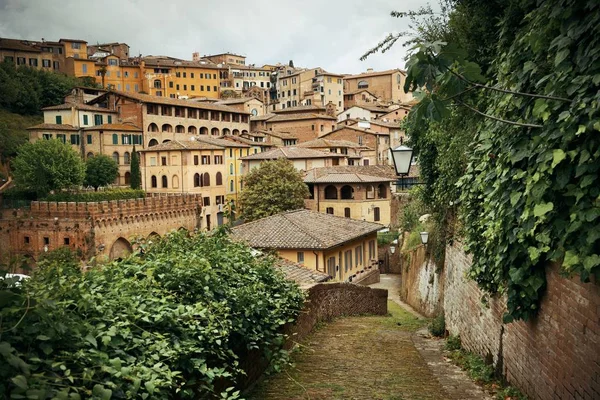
<point x="402" y="156"/>
<point x="424" y="237"/>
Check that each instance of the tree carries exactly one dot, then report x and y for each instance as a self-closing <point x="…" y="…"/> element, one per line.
<point x="274" y="187"/>
<point x="47" y="165"/>
<point x="100" y="170"/>
<point x="136" y="174"/>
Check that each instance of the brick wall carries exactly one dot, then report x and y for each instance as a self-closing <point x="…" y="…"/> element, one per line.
<point x="554" y="356"/>
<point x="421" y="286"/>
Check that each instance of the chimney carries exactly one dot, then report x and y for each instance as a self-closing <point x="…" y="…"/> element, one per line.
<point x="369" y="70"/>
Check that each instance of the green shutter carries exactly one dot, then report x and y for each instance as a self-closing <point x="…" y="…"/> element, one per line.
<point x="58" y="120"/>
<point x="115" y="138"/>
<point x="89" y="139"/>
<point x="110" y="119"/>
<point x="85" y="120"/>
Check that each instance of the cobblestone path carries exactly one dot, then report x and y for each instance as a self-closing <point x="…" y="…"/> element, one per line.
<point x="370" y="358"/>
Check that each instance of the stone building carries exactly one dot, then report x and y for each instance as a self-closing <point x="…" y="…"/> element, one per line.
<point x="308" y="87"/>
<point x="387" y="86"/>
<point x="358" y="192"/>
<point x="353" y="150"/>
<point x="360" y="97"/>
<point x="42" y="54"/>
<point x="340" y="247"/>
<point x="255" y="107"/>
<point x="363" y="113"/>
<point x="221" y="58"/>
<point x="305" y="126"/>
<point x="102" y="229"/>
<point x="303" y="159"/>
<point x="373" y="138"/>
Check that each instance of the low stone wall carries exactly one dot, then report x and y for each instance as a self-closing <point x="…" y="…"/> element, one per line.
<point x="368" y="277"/>
<point x="554" y="356"/>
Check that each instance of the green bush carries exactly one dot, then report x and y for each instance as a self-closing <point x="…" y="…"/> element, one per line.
<point x="386" y="238"/>
<point x="413" y="241"/>
<point x="437" y="327"/>
<point x="106" y="195"/>
<point x="453" y="343"/>
<point x="475" y="366"/>
<point x="19" y="194"/>
<point x="173" y="321"/>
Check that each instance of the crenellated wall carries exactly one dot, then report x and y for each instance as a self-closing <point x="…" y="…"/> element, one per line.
<point x="102" y="229"/>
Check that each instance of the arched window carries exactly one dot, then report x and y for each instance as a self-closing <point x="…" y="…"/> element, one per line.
<point x="127" y="178"/>
<point x="196" y="180"/>
<point x="180" y="129"/>
<point x="115" y="157"/>
<point x="381" y="191"/>
<point x="231" y="186"/>
<point x="363" y="84"/>
<point x="192" y="130"/>
<point x="244" y="132"/>
<point x="167" y="128"/>
<point x="152" y="142"/>
<point x="175" y="182"/>
<point x="165" y="182"/>
<point x="219" y="179"/>
<point x="153" y="127"/>
<point x="204" y="130"/>
<point x="214" y="132"/>
<point x="236" y="132"/>
<point x="90" y="155"/>
<point x="231" y="169"/>
<point x="347" y="192"/>
<point x="157" y="84"/>
<point x="331" y="192"/>
<point x="154" y="182"/>
<point x="127" y="158"/>
<point x="370" y="192"/>
<point x="226" y="131"/>
<point x="206" y="179"/>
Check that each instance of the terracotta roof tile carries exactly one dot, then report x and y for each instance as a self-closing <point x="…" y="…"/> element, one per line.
<point x="299" y="109"/>
<point x="300" y="274"/>
<point x="291" y="153"/>
<point x="350" y="174"/>
<point x="321" y="143"/>
<point x="262" y="117"/>
<point x="299" y="116"/>
<point x="220" y="141"/>
<point x="236" y="101"/>
<point x="84" y="107"/>
<point x="302" y="229"/>
<point x="183" y="145"/>
<point x="114" y="127"/>
<point x="53" y="127"/>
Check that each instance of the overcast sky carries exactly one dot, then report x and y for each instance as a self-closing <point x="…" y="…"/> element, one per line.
<point x="332" y="34"/>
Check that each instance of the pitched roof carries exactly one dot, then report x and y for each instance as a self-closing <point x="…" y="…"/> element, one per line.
<point x="299" y="109"/>
<point x="220" y="141"/>
<point x="72" y="40"/>
<point x="19" y="45"/>
<point x="351" y="174"/>
<point x="53" y="127"/>
<point x="299" y="116"/>
<point x="291" y="153"/>
<point x="300" y="274"/>
<point x="302" y="229"/>
<point x="360" y="91"/>
<point x="247" y="141"/>
<point x="182" y="145"/>
<point x="114" y="127"/>
<point x="355" y="128"/>
<point x="146" y="98"/>
<point x="262" y="117"/>
<point x="388" y="124"/>
<point x="237" y="101"/>
<point x="281" y="134"/>
<point x="83" y="107"/>
<point x="320" y="143"/>
<point x="375" y="73"/>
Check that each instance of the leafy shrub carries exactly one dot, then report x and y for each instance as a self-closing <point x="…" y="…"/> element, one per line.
<point x="413" y="241"/>
<point x="437" y="327"/>
<point x="510" y="393"/>
<point x="19" y="194"/>
<point x="386" y="238"/>
<point x="475" y="366"/>
<point x="453" y="343"/>
<point x="106" y="195"/>
<point x="173" y="321"/>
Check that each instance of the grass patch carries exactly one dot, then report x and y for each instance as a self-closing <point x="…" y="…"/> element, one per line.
<point x="480" y="371"/>
<point x="402" y="319"/>
<point x="386" y="238"/>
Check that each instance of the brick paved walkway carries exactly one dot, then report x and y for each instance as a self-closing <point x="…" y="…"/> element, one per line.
<point x="370" y="358"/>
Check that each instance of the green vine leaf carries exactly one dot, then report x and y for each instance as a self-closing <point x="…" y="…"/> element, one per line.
<point x="542" y="209"/>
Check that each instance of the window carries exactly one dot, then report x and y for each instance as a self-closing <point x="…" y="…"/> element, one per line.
<point x="33" y="62"/>
<point x="206" y="179"/>
<point x="136" y="87"/>
<point x="381" y="191"/>
<point x="208" y="88"/>
<point x="192" y="87"/>
<point x="218" y="159"/>
<point x="178" y="74"/>
<point x="47" y="136"/>
<point x="347" y="192"/>
<point x="331" y="193"/>
<point x="157" y="84"/>
<point x="98" y="120"/>
<point x="126" y="74"/>
<point x="66" y="241"/>
<point x="115" y="138"/>
<point x="89" y="139"/>
<point x="231" y="169"/>
<point x="195" y="160"/>
<point x="300" y="256"/>
<point x="206" y="201"/>
<point x="312" y="127"/>
<point x="76" y="46"/>
<point x="58" y="119"/>
<point x="55" y="65"/>
<point x="205" y="160"/>
<point x="127" y="87"/>
<point x="85" y="120"/>
<point x="154" y="181"/>
<point x="215" y="88"/>
<point x="191" y="75"/>
<point x="219" y="179"/>
<point x="177" y="86"/>
<point x="115" y="157"/>
<point x="231" y="186"/>
<point x="152" y="161"/>
<point x="21" y="61"/>
<point x="197" y="180"/>
<point x="164" y="181"/>
<point x="347" y="212"/>
<point x="358" y="256"/>
<point x="322" y="128"/>
<point x="175" y="182"/>
<point x="62" y="138"/>
<point x="47" y="63"/>
<point x="26" y="239"/>
<point x="376" y="214"/>
<point x="126" y="139"/>
<point x="329" y="210"/>
<point x="370" y="192"/>
<point x="220" y="200"/>
<point x="360" y="140"/>
<point x="171" y="84"/>
<point x="46" y="240"/>
<point x="163" y="161"/>
<point x="348" y="260"/>
<point x="363" y="84"/>
<point x="127" y="158"/>
<point x="75" y="139"/>
<point x="184" y="75"/>
<point x="372" y="250"/>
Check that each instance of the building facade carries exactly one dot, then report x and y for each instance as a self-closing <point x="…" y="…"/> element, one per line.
<point x="387" y="86"/>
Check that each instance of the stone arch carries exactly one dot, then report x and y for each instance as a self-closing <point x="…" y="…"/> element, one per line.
<point x="370" y="192"/>
<point x="215" y="131"/>
<point x="347" y="192"/>
<point x="244" y="132"/>
<point x="164" y="182"/>
<point x="154" y="181"/>
<point x="226" y="131"/>
<point x="120" y="248"/>
<point x="206" y="179"/>
<point x="166" y="140"/>
<point x="235" y="132"/>
<point x="126" y="158"/>
<point x="180" y="129"/>
<point x="203" y="130"/>
<point x="90" y="155"/>
<point x="167" y="128"/>
<point x="192" y="130"/>
<point x="115" y="157"/>
<point x="196" y="180"/>
<point x="331" y="192"/>
<point x="127" y="178"/>
<point x="381" y="191"/>
<point x="153" y="127"/>
<point x="152" y="142"/>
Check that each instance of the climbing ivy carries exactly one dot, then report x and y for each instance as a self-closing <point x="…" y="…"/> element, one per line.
<point x="530" y="192"/>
